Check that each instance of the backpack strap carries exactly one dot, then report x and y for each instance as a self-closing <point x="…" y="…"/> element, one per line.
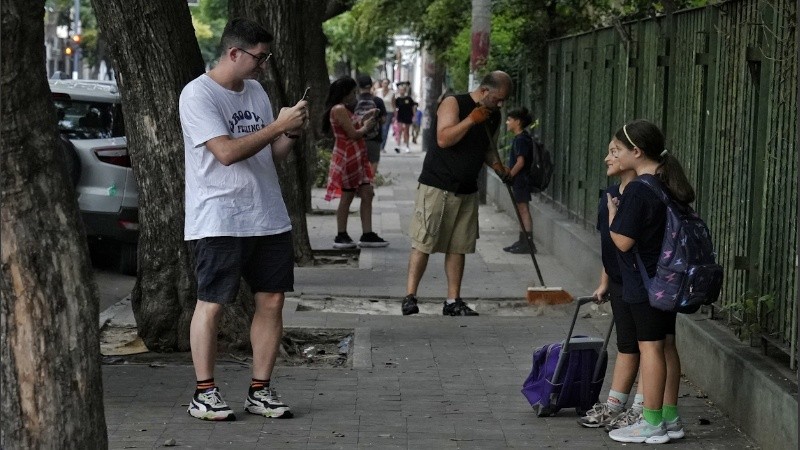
<point x="656" y="186"/>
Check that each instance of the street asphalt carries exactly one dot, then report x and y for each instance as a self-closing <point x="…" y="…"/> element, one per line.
<point x="417" y="382"/>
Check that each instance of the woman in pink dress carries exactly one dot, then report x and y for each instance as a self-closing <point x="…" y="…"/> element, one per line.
<point x="350" y="172"/>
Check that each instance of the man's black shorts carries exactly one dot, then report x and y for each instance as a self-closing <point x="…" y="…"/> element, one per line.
<point x="265" y="262"/>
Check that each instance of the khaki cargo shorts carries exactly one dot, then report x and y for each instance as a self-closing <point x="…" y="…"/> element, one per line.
<point x="444" y="222"/>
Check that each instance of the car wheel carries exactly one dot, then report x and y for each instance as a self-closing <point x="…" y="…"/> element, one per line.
<point x="73" y="162"/>
<point x="127" y="258"/>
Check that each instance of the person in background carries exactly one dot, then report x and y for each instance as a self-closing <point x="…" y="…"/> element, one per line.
<point x="366" y="102"/>
<point x="415" y="126"/>
<point x="519" y="163"/>
<point x="445" y="218"/>
<point x="404" y="115"/>
<point x="387" y="95"/>
<point x="350" y="171"/>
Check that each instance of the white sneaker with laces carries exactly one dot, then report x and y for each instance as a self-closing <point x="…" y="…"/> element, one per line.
<point x="675" y="429"/>
<point x="629" y="417"/>
<point x="264" y="402"/>
<point x="209" y="405"/>
<point x="600" y="415"/>
<point x="641" y="432"/>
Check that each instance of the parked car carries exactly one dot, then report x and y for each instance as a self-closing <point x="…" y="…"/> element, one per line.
<point x="93" y="137"/>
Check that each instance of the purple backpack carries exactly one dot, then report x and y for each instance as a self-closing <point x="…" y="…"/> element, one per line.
<point x="687" y="276"/>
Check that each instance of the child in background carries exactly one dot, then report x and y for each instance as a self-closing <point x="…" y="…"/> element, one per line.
<point x="519" y="162"/>
<point x="416" y="124"/>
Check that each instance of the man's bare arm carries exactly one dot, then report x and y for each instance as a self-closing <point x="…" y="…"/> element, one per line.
<point x="449" y="130"/>
<point x="230" y="150"/>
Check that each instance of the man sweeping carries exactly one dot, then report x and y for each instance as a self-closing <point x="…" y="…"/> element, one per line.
<point x="445" y="215"/>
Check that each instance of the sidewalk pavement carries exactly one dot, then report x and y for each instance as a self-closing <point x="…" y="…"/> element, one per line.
<point x="418" y="382"/>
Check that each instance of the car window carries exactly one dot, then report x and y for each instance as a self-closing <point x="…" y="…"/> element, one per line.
<point x="89" y="120"/>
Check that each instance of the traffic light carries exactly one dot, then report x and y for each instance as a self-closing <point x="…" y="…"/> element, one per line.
<point x="68" y="51"/>
<point x="76" y="39"/>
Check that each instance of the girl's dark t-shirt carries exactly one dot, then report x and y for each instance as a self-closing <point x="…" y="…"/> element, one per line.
<point x="642" y="217"/>
<point x="608" y="251"/>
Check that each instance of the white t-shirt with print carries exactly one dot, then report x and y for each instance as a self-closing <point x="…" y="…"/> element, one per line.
<point x="244" y="198"/>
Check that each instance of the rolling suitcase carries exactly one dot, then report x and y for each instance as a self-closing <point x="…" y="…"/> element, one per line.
<point x="568" y="374"/>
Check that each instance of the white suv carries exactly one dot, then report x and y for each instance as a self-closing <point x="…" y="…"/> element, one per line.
<point x="93" y="137"/>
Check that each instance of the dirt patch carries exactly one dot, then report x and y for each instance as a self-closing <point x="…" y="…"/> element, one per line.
<point x="336" y="257"/>
<point x="391" y="306"/>
<point x="300" y="347"/>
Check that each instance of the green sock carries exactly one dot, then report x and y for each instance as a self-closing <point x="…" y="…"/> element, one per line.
<point x="653" y="416"/>
<point x="670" y="413"/>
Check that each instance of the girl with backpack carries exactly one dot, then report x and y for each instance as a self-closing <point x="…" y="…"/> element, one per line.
<point x="637" y="222"/>
<point x="519" y="163"/>
<point x="350" y="171"/>
<point x="611" y="414"/>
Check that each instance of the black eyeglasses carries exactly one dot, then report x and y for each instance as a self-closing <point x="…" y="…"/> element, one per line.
<point x="259" y="59"/>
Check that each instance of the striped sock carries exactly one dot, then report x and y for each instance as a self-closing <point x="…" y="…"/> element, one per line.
<point x="638" y="402"/>
<point x="256" y="384"/>
<point x="205" y="385"/>
<point x="616" y="400"/>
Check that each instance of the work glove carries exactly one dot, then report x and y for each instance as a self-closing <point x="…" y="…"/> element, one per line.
<point x="480" y="114"/>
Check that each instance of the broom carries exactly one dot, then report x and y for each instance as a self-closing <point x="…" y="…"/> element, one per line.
<point x="536" y="295"/>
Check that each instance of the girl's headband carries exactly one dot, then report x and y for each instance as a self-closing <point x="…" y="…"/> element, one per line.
<point x="625" y="130"/>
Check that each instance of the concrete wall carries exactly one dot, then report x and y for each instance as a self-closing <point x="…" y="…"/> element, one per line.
<point x="759" y="395"/>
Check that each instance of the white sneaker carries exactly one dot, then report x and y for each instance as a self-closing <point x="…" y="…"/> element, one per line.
<point x="675" y="429"/>
<point x="625" y="419"/>
<point x="640" y="432"/>
<point x="209" y="405"/>
<point x="264" y="402"/>
<point x="600" y="415"/>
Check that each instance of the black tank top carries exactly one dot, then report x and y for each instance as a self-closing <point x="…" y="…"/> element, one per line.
<point x="456" y="168"/>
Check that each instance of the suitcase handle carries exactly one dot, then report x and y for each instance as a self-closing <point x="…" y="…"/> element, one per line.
<point x="580" y="301"/>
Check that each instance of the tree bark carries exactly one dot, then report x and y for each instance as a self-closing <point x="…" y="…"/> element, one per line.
<point x="155" y="52"/>
<point x="285" y="86"/>
<point x="298" y="62"/>
<point x="51" y="386"/>
<point x="434" y="78"/>
<point x="481" y="30"/>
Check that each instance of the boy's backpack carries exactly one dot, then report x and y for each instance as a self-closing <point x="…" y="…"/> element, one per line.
<point x="687" y="275"/>
<point x="364" y="105"/>
<point x="541" y="170"/>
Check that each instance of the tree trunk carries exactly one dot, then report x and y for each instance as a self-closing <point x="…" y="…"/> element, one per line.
<point x="155" y="52"/>
<point x="51" y="386"/>
<point x="298" y="62"/>
<point x="285" y="85"/>
<point x="481" y="29"/>
<point x="434" y="78"/>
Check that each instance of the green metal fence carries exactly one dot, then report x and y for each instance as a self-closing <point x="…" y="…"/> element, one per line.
<point x="721" y="81"/>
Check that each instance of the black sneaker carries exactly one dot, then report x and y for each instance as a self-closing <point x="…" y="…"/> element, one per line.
<point x="520" y="249"/>
<point x="508" y="249"/>
<point x="457" y="308"/>
<point x="371" y="240"/>
<point x="409" y="305"/>
<point x="209" y="405"/>
<point x="342" y="240"/>
<point x="264" y="402"/>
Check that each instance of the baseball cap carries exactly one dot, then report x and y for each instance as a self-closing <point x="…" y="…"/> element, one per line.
<point x="364" y="81"/>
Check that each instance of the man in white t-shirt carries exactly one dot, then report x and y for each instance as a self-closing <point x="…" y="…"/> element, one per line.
<point x="236" y="221"/>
